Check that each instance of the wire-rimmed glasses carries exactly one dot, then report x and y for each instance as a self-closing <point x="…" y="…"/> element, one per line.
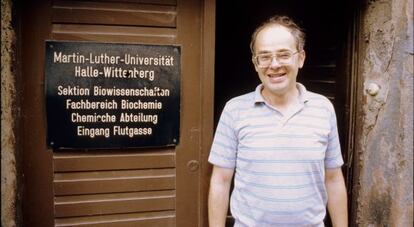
<point x="264" y="60"/>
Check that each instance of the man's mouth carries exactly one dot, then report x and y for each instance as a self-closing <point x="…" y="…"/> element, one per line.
<point x="277" y="77"/>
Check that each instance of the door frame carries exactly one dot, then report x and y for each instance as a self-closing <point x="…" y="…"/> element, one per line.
<point x="207" y="93"/>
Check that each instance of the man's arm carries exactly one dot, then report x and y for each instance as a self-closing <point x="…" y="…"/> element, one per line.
<point x="218" y="199"/>
<point x="337" y="197"/>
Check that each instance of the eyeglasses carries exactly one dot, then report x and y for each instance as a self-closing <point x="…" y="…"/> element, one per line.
<point x="265" y="60"/>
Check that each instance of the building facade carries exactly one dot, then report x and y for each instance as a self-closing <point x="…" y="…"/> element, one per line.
<point x="360" y="56"/>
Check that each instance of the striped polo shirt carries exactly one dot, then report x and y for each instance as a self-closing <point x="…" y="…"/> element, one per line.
<point x="279" y="160"/>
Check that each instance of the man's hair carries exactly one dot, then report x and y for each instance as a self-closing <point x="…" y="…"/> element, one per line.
<point x="286" y="22"/>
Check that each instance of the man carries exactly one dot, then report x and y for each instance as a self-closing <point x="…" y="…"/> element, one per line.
<point x="280" y="142"/>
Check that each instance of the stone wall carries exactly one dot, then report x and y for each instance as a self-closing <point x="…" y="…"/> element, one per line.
<point x="8" y="118"/>
<point x="384" y="158"/>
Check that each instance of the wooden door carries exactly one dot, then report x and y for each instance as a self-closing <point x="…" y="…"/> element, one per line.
<point x="134" y="187"/>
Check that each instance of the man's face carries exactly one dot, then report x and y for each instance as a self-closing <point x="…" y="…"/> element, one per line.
<point x="279" y="74"/>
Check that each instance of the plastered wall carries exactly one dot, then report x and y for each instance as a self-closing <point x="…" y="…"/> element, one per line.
<point x="8" y="117"/>
<point x="384" y="159"/>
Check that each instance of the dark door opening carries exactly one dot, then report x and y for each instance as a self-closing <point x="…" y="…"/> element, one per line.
<point x="327" y="67"/>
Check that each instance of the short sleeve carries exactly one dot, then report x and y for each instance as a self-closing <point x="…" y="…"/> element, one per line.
<point x="333" y="156"/>
<point x="224" y="148"/>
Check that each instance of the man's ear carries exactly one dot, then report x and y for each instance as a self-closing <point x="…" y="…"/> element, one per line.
<point x="302" y="56"/>
<point x="254" y="64"/>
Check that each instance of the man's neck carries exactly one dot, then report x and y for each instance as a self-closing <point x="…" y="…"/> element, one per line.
<point x="282" y="102"/>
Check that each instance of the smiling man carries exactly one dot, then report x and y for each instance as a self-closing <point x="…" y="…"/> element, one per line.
<point x="280" y="142"/>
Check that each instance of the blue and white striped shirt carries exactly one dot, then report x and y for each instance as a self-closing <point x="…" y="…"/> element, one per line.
<point x="279" y="160"/>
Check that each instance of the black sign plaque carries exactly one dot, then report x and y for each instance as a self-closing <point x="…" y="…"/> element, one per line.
<point x="109" y="95"/>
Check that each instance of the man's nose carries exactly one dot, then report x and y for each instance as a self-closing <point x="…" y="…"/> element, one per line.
<point x="274" y="63"/>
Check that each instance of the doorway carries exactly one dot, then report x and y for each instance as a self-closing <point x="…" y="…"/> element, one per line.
<point x="328" y="69"/>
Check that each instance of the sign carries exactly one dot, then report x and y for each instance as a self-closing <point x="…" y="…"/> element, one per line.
<point x="106" y="95"/>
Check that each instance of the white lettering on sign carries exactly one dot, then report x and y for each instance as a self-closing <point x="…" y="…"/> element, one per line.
<point x="93" y="118"/>
<point x="73" y="90"/>
<point x="91" y="105"/>
<point x="118" y="72"/>
<point x="131" y="132"/>
<point x="140" y="117"/>
<point x="93" y="132"/>
<point x="87" y="71"/>
<point x="115" y="91"/>
<point x="103" y="59"/>
<point x="138" y="105"/>
<point x="68" y="58"/>
<point x="157" y="61"/>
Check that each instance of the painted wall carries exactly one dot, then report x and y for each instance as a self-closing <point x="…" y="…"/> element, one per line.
<point x="384" y="159"/>
<point x="8" y="119"/>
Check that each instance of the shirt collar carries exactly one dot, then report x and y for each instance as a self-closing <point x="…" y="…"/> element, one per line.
<point x="258" y="98"/>
<point x="303" y="93"/>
